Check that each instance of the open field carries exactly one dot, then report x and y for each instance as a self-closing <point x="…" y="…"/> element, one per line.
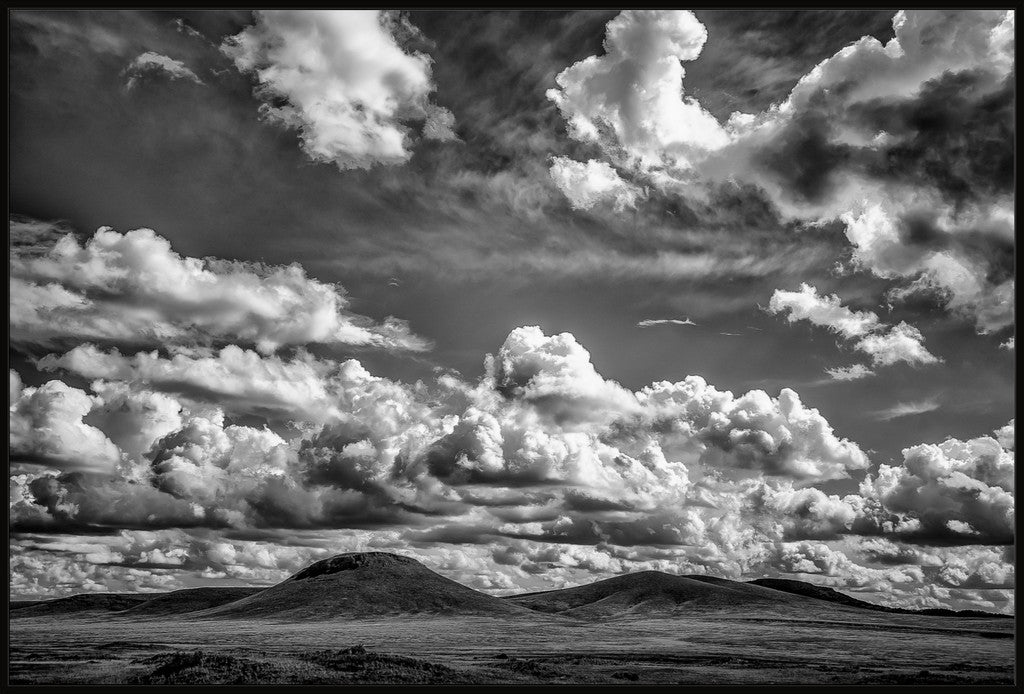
<point x="831" y="645"/>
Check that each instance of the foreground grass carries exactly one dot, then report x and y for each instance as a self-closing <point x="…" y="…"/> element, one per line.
<point x="846" y="648"/>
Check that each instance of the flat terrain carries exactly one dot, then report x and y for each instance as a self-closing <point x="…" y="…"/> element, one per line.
<point x="771" y="645"/>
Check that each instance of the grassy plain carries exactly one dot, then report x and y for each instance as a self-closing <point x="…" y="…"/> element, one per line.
<point x="827" y="646"/>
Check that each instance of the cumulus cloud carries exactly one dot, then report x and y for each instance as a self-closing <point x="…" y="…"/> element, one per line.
<point x="631" y="101"/>
<point x="907" y="143"/>
<point x="149" y="63"/>
<point x="571" y="473"/>
<point x="46" y="428"/>
<point x="818" y="559"/>
<point x="1006" y="435"/>
<point x="586" y="185"/>
<point x="886" y="345"/>
<point x="133" y="288"/>
<point x="955" y="491"/>
<point x="342" y="79"/>
<point x="754" y="431"/>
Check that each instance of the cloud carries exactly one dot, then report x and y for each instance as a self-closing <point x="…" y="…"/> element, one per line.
<point x="907" y="144"/>
<point x="556" y="375"/>
<point x="826" y="311"/>
<point x="778" y="436"/>
<point x="149" y="63"/>
<point x="240" y="381"/>
<point x="907" y="409"/>
<point x="342" y="79"/>
<point x="539" y="471"/>
<point x="133" y="288"/>
<point x="631" y="101"/>
<point x="818" y="559"/>
<point x="46" y="428"/>
<point x="853" y="372"/>
<point x="956" y="491"/>
<point x="1008" y="345"/>
<point x="586" y="185"/>
<point x="1006" y="435"/>
<point x="902" y="343"/>
<point x="884" y="344"/>
<point x="650" y="322"/>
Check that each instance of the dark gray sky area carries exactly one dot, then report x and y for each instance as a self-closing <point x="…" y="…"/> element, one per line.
<point x="537" y="297"/>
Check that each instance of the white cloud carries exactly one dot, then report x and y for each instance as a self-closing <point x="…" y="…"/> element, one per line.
<point x="586" y="185"/>
<point x="149" y="63"/>
<point x="541" y="472"/>
<point x="853" y="372"/>
<point x="46" y="428"/>
<point x="884" y="344"/>
<point x="347" y="84"/>
<point x="956" y="490"/>
<point x="630" y="100"/>
<point x="777" y="436"/>
<point x="901" y="343"/>
<point x="240" y="381"/>
<point x="840" y="117"/>
<point x="957" y="275"/>
<point x="826" y="311"/>
<point x="556" y="374"/>
<point x="134" y="288"/>
<point x="1006" y="435"/>
<point x="1008" y="345"/>
<point x="907" y="409"/>
<point x="650" y="322"/>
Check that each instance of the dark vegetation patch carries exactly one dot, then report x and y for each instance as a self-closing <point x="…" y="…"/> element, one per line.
<point x="200" y="667"/>
<point x="362" y="665"/>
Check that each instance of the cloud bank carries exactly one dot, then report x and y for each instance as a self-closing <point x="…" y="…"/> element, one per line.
<point x="133" y="288"/>
<point x="542" y="468"/>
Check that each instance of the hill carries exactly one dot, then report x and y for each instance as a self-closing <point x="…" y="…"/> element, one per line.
<point x="365" y="584"/>
<point x="650" y="593"/>
<point x="80" y="605"/>
<point x="834" y="596"/>
<point x="187" y="600"/>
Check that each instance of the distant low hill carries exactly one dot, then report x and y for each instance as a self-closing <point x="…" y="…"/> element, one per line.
<point x="831" y="595"/>
<point x="650" y="593"/>
<point x="365" y="584"/>
<point x="86" y="603"/>
<point x="368" y="584"/>
<point x="188" y="600"/>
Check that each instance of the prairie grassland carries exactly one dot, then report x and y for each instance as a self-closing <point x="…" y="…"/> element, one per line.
<point x="847" y="647"/>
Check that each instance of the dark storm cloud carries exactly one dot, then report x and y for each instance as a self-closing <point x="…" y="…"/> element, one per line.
<point x="953" y="134"/>
<point x="805" y="159"/>
<point x="753" y="60"/>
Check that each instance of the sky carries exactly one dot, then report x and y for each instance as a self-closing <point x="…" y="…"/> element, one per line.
<point x="535" y="297"/>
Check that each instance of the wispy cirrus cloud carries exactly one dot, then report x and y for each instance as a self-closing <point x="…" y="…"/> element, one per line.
<point x="908" y="409"/>
<point x="650" y="322"/>
<point x="149" y="63"/>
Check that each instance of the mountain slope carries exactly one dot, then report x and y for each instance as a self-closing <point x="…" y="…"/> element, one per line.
<point x="364" y="584"/>
<point x="650" y="593"/>
<point x="187" y="600"/>
<point x="81" y="605"/>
